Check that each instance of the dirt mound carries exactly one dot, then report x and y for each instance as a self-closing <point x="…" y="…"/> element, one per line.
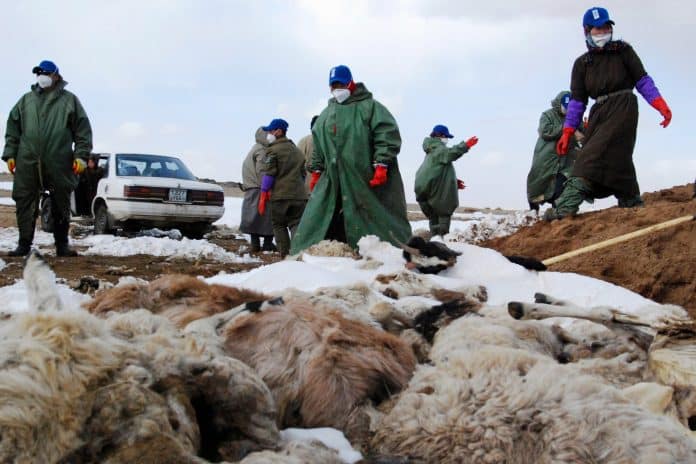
<point x="660" y="266"/>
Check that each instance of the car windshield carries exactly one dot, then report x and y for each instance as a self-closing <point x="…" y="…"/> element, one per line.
<point x="152" y="166"/>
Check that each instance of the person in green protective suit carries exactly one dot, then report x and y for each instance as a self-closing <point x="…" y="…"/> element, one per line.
<point x="436" y="181"/>
<point x="355" y="180"/>
<point x="550" y="171"/>
<point x="48" y="137"/>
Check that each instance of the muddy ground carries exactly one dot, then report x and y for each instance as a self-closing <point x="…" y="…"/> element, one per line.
<point x="660" y="266"/>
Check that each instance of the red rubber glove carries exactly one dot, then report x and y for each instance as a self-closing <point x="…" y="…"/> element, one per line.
<point x="313" y="181"/>
<point x="460" y="184"/>
<point x="11" y="165"/>
<point x="265" y="197"/>
<point x="564" y="141"/>
<point x="380" y="176"/>
<point x="661" y="105"/>
<point x="472" y="141"/>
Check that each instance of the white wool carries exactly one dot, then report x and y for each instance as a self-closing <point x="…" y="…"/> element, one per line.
<point x="331" y="248"/>
<point x="495" y="393"/>
<point x="40" y="280"/>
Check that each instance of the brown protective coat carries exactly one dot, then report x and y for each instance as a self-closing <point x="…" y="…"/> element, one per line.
<point x="606" y="157"/>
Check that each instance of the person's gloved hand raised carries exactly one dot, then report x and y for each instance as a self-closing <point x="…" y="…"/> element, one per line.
<point x="380" y="176"/>
<point x="78" y="166"/>
<point x="472" y="141"/>
<point x="660" y="105"/>
<point x="313" y="181"/>
<point x="267" y="183"/>
<point x="564" y="141"/>
<point x="460" y="184"/>
<point x="11" y="165"/>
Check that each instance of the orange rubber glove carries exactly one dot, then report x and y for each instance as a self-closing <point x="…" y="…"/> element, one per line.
<point x="661" y="105"/>
<point x="472" y="141"/>
<point x="78" y="166"/>
<point x="380" y="176"/>
<point x="460" y="184"/>
<point x="11" y="165"/>
<point x="263" y="199"/>
<point x="313" y="181"/>
<point x="564" y="141"/>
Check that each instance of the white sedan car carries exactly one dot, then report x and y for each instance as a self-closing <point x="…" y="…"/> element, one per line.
<point x="140" y="190"/>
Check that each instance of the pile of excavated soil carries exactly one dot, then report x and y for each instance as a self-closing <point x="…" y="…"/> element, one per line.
<point x="660" y="266"/>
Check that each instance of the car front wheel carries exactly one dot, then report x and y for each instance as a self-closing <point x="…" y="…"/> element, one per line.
<point x="102" y="222"/>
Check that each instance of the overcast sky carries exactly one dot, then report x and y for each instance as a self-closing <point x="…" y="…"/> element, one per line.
<point x="196" y="78"/>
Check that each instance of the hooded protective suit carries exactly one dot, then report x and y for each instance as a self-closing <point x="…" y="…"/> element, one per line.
<point x="349" y="138"/>
<point x="546" y="164"/>
<point x="41" y="130"/>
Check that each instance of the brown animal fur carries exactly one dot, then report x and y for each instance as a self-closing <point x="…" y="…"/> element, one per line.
<point x="319" y="366"/>
<point x="179" y="298"/>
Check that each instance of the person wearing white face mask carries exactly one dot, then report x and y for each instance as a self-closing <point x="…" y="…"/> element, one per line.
<point x="48" y="137"/>
<point x="436" y="183"/>
<point x="282" y="184"/>
<point x="607" y="72"/>
<point x="355" y="180"/>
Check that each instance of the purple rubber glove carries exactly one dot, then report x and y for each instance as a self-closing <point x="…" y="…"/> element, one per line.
<point x="267" y="183"/>
<point x="646" y="87"/>
<point x="574" y="114"/>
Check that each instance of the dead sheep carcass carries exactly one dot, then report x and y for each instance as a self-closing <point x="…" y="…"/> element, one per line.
<point x="319" y="365"/>
<point x="497" y="393"/>
<point x="131" y="388"/>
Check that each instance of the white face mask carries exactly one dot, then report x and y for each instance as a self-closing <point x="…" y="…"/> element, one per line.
<point x="564" y="110"/>
<point x="270" y="138"/>
<point x="340" y="95"/>
<point x="602" y="39"/>
<point x="444" y="140"/>
<point x="44" y="81"/>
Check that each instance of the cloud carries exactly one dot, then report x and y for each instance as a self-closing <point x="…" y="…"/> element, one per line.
<point x="131" y="129"/>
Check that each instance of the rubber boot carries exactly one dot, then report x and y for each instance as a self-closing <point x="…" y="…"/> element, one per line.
<point x="255" y="243"/>
<point x="60" y="235"/>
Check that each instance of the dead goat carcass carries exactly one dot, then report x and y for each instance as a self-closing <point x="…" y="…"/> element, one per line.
<point x="319" y="364"/>
<point x="129" y="388"/>
<point x="495" y="392"/>
<point x="180" y="298"/>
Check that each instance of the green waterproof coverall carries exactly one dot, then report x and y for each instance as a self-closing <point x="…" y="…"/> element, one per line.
<point x="349" y="138"/>
<point x="41" y="130"/>
<point x="546" y="164"/>
<point x="436" y="183"/>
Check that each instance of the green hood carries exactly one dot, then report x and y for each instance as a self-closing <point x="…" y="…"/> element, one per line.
<point x="431" y="143"/>
<point x="260" y="137"/>
<point x="556" y="102"/>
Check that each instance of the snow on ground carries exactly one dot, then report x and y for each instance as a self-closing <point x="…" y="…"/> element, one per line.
<point x="504" y="280"/>
<point x="14" y="297"/>
<point x="7" y="201"/>
<point x="108" y="245"/>
<point x="6" y="185"/>
<point x="479" y="226"/>
<point x="331" y="438"/>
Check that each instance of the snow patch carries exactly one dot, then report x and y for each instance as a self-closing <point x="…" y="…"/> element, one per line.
<point x="109" y="245"/>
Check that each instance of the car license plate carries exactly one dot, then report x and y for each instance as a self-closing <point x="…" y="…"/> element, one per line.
<point x="178" y="195"/>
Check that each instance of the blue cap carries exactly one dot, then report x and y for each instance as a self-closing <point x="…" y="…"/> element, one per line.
<point x="441" y="130"/>
<point x="596" y="16"/>
<point x="276" y="124"/>
<point x="565" y="100"/>
<point x="45" y="66"/>
<point x="341" y="74"/>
